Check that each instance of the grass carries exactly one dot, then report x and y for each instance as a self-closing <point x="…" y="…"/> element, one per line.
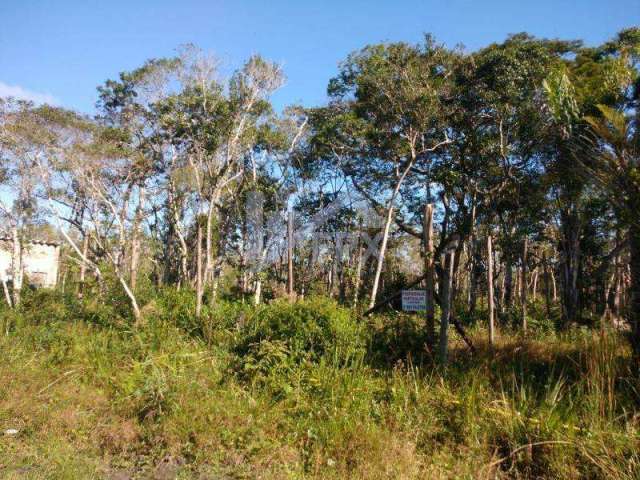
<point x="305" y="391"/>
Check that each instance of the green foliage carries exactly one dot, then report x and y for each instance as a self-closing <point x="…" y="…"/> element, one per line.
<point x="280" y="344"/>
<point x="309" y="330"/>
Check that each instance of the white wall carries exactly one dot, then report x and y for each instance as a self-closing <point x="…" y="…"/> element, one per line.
<point x="5" y="261"/>
<point x="40" y="262"/>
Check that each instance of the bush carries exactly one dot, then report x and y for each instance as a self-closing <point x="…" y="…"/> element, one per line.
<point x="280" y="343"/>
<point x="44" y="306"/>
<point x="307" y="330"/>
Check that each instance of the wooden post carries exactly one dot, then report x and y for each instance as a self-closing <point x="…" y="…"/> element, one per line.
<point x="523" y="285"/>
<point x="199" y="271"/>
<point x="428" y="271"/>
<point x="290" y="254"/>
<point x="445" y="298"/>
<point x="490" y="289"/>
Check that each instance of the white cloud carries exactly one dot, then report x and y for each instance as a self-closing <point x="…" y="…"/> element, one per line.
<point x="21" y="93"/>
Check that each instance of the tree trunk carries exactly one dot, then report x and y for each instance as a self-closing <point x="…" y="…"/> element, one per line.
<point x="634" y="288"/>
<point x="570" y="247"/>
<point x="381" y="252"/>
<point x="508" y="284"/>
<point x="474" y="275"/>
<point x="17" y="271"/>
<point x="490" y="290"/>
<point x="474" y="254"/>
<point x="290" y="255"/>
<point x="135" y="240"/>
<point x="215" y="285"/>
<point x="258" y="291"/>
<point x="547" y="284"/>
<point x="356" y="287"/>
<point x="429" y="273"/>
<point x="5" y="289"/>
<point x="523" y="285"/>
<point x="446" y="306"/>
<point x="199" y="286"/>
<point x="83" y="266"/>
<point x="132" y="298"/>
<point x="608" y="301"/>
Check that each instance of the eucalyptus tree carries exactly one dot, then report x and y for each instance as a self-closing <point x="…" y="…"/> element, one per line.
<point x="130" y="104"/>
<point x="195" y="131"/>
<point x="216" y="128"/>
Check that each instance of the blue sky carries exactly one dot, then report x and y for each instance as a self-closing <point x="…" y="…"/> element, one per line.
<point x="62" y="50"/>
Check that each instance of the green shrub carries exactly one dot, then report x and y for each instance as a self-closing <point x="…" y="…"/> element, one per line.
<point x="307" y="330"/>
<point x="178" y="307"/>
<point x="280" y="343"/>
<point x="42" y="306"/>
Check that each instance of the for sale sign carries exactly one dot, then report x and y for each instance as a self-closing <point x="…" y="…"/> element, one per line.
<point x="414" y="300"/>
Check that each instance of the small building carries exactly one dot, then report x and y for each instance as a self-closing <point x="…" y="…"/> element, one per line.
<point x="40" y="261"/>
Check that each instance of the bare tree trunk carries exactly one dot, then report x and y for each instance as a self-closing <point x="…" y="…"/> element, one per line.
<point x="609" y="283"/>
<point x="135" y="240"/>
<point x="570" y="247"/>
<point x="490" y="290"/>
<point x="446" y="307"/>
<point x="290" y="255"/>
<point x="474" y="260"/>
<point x="429" y="272"/>
<point x="356" y="287"/>
<point x="523" y="285"/>
<point x="215" y="286"/>
<point x="83" y="265"/>
<point x="16" y="266"/>
<point x="132" y="298"/>
<point x="258" y="291"/>
<point x="381" y="252"/>
<point x="508" y="284"/>
<point x="199" y="288"/>
<point x="617" y="288"/>
<point x="634" y="288"/>
<point x="208" y="266"/>
<point x="5" y="288"/>
<point x="534" y="288"/>
<point x="547" y="284"/>
<point x="501" y="307"/>
<point x="184" y="249"/>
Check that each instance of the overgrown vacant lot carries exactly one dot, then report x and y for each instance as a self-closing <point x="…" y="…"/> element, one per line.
<point x="303" y="390"/>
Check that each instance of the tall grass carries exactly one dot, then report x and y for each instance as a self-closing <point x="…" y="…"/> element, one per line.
<point x="303" y="391"/>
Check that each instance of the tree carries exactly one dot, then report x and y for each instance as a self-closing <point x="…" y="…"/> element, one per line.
<point x="24" y="140"/>
<point x="388" y="117"/>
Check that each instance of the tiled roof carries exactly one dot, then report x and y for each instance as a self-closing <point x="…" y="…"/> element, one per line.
<point x="52" y="243"/>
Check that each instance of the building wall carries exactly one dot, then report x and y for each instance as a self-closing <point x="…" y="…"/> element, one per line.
<point x="5" y="259"/>
<point x="40" y="262"/>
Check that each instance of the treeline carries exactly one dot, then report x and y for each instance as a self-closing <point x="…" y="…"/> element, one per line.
<point x="425" y="159"/>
